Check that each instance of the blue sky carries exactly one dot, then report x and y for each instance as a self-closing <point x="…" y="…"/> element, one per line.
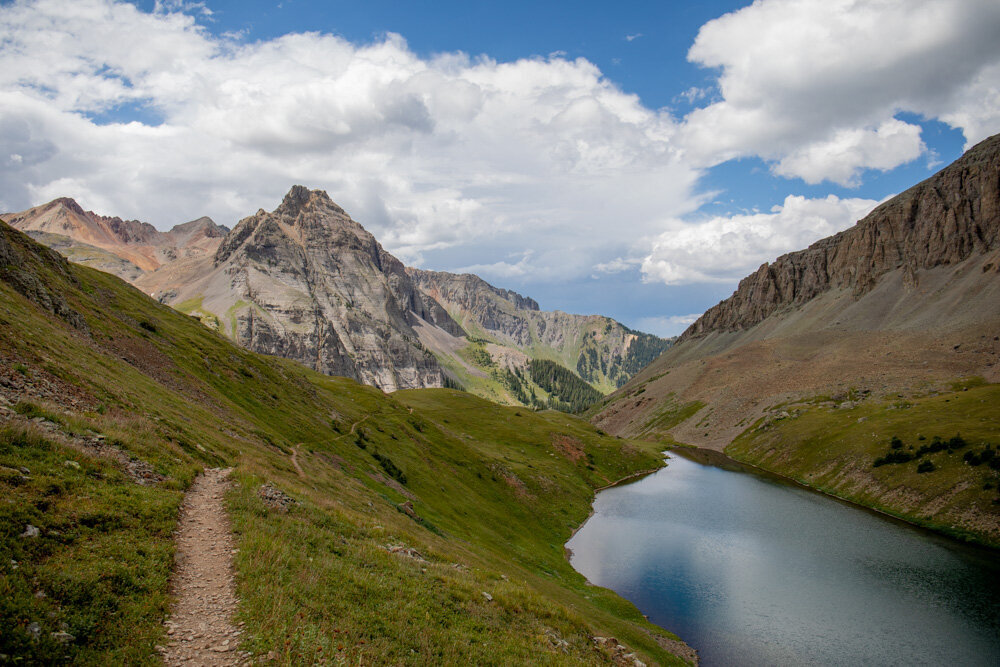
<point x="633" y="159"/>
<point x="640" y="46"/>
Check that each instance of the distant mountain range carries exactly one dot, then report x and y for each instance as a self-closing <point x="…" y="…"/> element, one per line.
<point x="307" y="282"/>
<point x="888" y="331"/>
<point x="138" y="243"/>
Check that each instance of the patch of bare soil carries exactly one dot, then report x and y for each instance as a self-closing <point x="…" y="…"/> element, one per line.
<point x="740" y="384"/>
<point x="569" y="447"/>
<point x="201" y="623"/>
<point x="295" y="462"/>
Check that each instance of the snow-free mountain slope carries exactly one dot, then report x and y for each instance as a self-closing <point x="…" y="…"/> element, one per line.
<point x="309" y="283"/>
<point x="77" y="231"/>
<point x="821" y="357"/>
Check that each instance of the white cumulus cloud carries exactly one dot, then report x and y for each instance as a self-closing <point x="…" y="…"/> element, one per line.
<point x="815" y="86"/>
<point x="488" y="158"/>
<point x="726" y="248"/>
<point x="667" y="325"/>
<point x="538" y="169"/>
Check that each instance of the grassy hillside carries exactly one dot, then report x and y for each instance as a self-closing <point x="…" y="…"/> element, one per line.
<point x="602" y="352"/>
<point x="927" y="459"/>
<point x="485" y="370"/>
<point x="425" y="527"/>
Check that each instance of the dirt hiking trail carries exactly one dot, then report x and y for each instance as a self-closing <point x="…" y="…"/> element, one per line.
<point x="200" y="627"/>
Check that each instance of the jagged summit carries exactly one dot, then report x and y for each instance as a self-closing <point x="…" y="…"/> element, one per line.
<point x="65" y="202"/>
<point x="301" y="198"/>
<point x="132" y="240"/>
<point x="301" y="201"/>
<point x="307" y="282"/>
<point x="306" y="217"/>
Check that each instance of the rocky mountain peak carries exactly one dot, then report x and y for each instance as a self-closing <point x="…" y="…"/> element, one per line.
<point x="313" y="285"/>
<point x="67" y="203"/>
<point x="204" y="225"/>
<point x="307" y="218"/>
<point x="301" y="199"/>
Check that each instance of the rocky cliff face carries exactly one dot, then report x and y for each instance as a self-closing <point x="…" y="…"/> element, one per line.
<point x="25" y="267"/>
<point x="941" y="221"/>
<point x="499" y="311"/>
<point x="905" y="302"/>
<point x="600" y="350"/>
<point x="308" y="283"/>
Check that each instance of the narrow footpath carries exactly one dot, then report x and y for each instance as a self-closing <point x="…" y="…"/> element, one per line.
<point x="200" y="627"/>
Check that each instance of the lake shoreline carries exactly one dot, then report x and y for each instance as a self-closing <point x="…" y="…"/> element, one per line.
<point x="722" y="460"/>
<point x="632" y="477"/>
<point x="672" y="570"/>
<point x="677" y="646"/>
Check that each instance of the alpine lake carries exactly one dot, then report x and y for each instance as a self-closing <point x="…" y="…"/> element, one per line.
<point x="750" y="569"/>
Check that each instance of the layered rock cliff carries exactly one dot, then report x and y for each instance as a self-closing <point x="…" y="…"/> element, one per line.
<point x="941" y="221"/>
<point x="905" y="302"/>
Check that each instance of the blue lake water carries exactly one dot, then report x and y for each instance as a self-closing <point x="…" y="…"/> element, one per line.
<point x="754" y="571"/>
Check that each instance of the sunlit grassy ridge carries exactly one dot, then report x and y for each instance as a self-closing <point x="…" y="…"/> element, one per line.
<point x="495" y="492"/>
<point x="835" y="450"/>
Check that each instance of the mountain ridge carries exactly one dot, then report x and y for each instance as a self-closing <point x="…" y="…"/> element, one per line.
<point x="885" y="332"/>
<point x="133" y="240"/>
<point x="902" y="233"/>
<point x="385" y="324"/>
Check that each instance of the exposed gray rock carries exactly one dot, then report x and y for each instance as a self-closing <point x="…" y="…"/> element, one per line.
<point x="307" y="282"/>
<point x="275" y="498"/>
<point x="19" y="267"/>
<point x="62" y="637"/>
<point x="940" y="221"/>
<point x="599" y="349"/>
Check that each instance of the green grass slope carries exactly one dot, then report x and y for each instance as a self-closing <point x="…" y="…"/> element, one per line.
<point x="427" y="527"/>
<point x="539" y="384"/>
<point x="952" y="486"/>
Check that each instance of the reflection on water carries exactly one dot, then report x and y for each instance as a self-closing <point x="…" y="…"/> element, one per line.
<point x="751" y="571"/>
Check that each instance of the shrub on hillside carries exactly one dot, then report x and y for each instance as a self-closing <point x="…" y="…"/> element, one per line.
<point x="895" y="456"/>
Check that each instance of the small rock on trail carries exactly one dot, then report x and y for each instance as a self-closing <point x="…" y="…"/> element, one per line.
<point x="201" y="628"/>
